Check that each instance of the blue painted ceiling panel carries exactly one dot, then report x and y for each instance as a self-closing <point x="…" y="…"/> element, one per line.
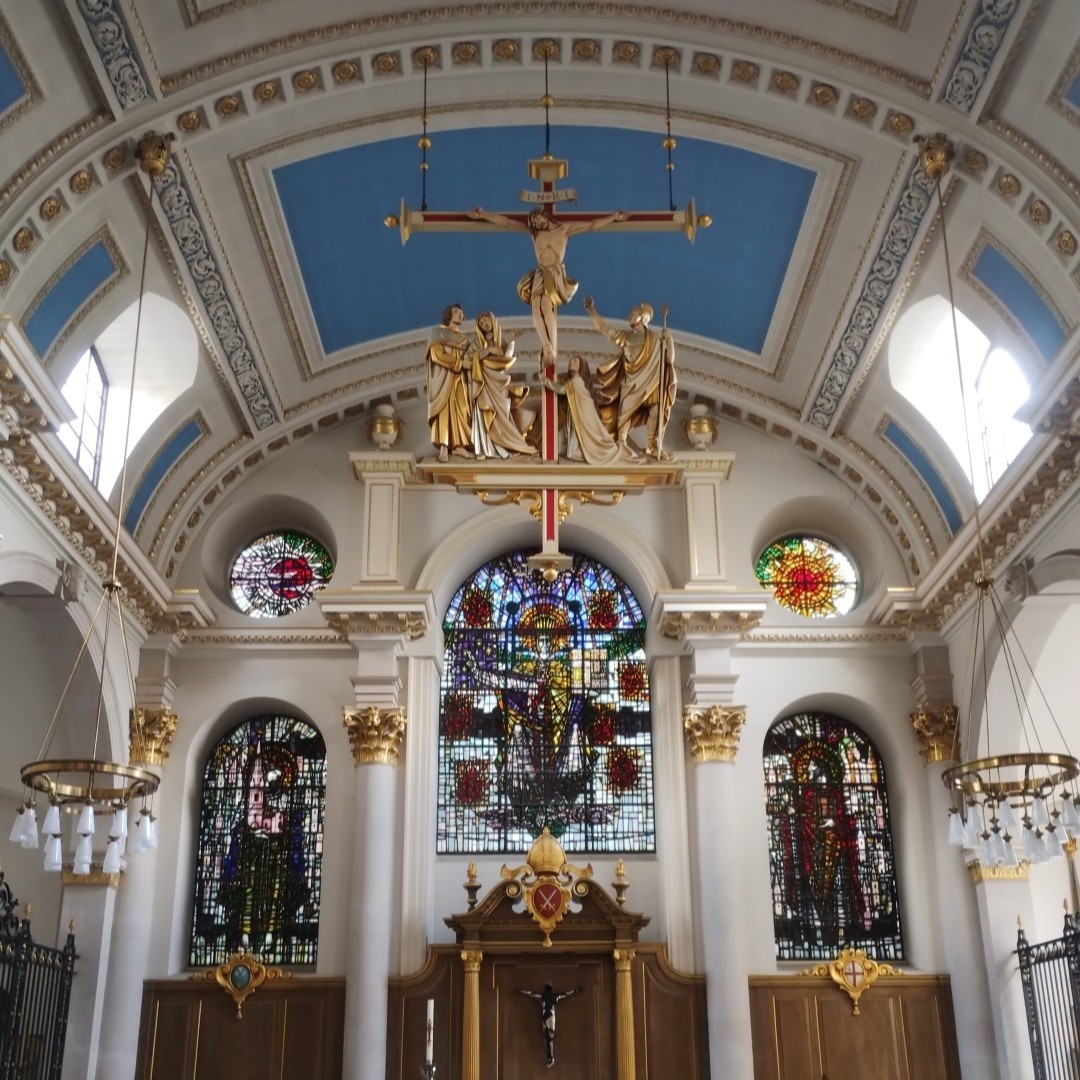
<point x="75" y="286"/>
<point x="362" y="284"/>
<point x="1014" y="290"/>
<point x="11" y="86"/>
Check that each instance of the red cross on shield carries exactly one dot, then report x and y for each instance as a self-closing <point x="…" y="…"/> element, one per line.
<point x="854" y="973"/>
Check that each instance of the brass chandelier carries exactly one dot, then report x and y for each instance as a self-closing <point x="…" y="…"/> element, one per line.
<point x="1005" y="806"/>
<point x="94" y="786"/>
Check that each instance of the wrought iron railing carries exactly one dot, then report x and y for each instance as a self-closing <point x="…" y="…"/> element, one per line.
<point x="1050" y="974"/>
<point x="35" y="989"/>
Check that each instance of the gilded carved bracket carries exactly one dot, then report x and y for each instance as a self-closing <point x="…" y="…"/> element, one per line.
<point x="854" y="972"/>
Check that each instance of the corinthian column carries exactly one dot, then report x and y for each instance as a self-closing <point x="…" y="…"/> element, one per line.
<point x="470" y="1017"/>
<point x="625" y="1050"/>
<point x="375" y="735"/>
<point x="713" y="736"/>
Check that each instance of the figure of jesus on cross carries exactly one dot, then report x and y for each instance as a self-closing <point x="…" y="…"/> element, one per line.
<point x="549" y="285"/>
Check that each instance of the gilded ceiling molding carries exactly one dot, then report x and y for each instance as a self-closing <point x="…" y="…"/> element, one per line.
<point x="1054" y="478"/>
<point x="243" y="164"/>
<point x="63" y="142"/>
<point x="1043" y="158"/>
<point x="875" y="638"/>
<point x="269" y="638"/>
<point x="104" y="237"/>
<point x="194" y="14"/>
<point x="108" y="30"/>
<point x="205" y="271"/>
<point x="32" y="92"/>
<point x="875" y="295"/>
<point x="897" y="18"/>
<point x="695" y="21"/>
<point x="986" y="33"/>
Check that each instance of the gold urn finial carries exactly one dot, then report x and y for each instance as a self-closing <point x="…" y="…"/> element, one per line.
<point x="152" y="152"/>
<point x="546" y="856"/>
<point x="935" y="153"/>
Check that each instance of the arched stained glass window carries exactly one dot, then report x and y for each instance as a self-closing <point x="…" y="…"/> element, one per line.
<point x="830" y="843"/>
<point x="545" y="712"/>
<point x="278" y="574"/>
<point x="809" y="576"/>
<point x="259" y="864"/>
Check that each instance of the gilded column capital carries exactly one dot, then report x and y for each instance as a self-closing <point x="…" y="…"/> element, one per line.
<point x="936" y="731"/>
<point x="150" y="732"/>
<point x="472" y="959"/>
<point x="713" y="733"/>
<point x="375" y="734"/>
<point x="623" y="958"/>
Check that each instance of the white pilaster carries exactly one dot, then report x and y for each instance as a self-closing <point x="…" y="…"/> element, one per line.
<point x="129" y="953"/>
<point x="91" y="908"/>
<point x="704" y="521"/>
<point x="672" y="838"/>
<point x="1000" y="904"/>
<point x="977" y="1039"/>
<point x="418" y="840"/>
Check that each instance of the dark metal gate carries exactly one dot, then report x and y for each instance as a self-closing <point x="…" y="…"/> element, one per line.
<point x="35" y="989"/>
<point x="1050" y="974"/>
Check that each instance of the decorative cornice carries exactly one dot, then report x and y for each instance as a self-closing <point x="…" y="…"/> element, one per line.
<point x="690" y="613"/>
<point x="206" y="274"/>
<point x="874" y="297"/>
<point x="979" y="873"/>
<point x="982" y="43"/>
<point x="407" y="625"/>
<point x="713" y="733"/>
<point x="94" y="879"/>
<point x="936" y="732"/>
<point x="695" y="22"/>
<point x="109" y="33"/>
<point x="150" y="732"/>
<point x="375" y="734"/>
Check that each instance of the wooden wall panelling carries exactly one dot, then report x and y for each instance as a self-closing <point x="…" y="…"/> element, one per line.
<point x="189" y="1031"/>
<point x="803" y="1028"/>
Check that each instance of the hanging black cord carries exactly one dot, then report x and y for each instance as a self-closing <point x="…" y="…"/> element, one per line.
<point x="547" y="108"/>
<point x="425" y="142"/>
<point x="669" y="142"/>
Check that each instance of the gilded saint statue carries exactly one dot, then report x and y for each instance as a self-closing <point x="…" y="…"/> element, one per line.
<point x="548" y="286"/>
<point x="586" y="437"/>
<point x="637" y="388"/>
<point x="496" y="401"/>
<point x="449" y="398"/>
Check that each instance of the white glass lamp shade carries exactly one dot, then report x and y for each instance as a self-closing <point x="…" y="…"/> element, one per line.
<point x="54" y="854"/>
<point x="51" y="827"/>
<point x="18" y="828"/>
<point x="84" y="854"/>
<point x="111" y="863"/>
<point x="30" y="828"/>
<point x="86" y="821"/>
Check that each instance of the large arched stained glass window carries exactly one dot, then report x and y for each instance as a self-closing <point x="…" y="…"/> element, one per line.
<point x="830" y="844"/>
<point x="545" y="712"/>
<point x="259" y="863"/>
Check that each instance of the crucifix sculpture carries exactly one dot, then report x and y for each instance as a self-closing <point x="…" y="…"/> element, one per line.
<point x="548" y="285"/>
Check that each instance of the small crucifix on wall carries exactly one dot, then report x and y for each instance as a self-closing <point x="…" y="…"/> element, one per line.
<point x="548" y="999"/>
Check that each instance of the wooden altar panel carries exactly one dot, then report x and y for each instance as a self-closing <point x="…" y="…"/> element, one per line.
<point x="670" y="1020"/>
<point x="189" y="1031"/>
<point x="803" y="1029"/>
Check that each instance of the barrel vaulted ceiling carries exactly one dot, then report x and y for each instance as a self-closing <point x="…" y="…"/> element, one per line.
<point x="297" y="130"/>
